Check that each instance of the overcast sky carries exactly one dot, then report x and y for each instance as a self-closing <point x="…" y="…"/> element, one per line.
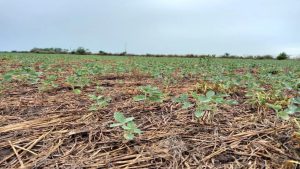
<point x="153" y="26"/>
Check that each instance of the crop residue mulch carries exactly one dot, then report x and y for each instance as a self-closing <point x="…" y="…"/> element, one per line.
<point x="56" y="130"/>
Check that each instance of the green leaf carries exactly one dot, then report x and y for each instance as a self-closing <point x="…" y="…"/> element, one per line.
<point x="275" y="107"/>
<point x="7" y="77"/>
<point x="186" y="105"/>
<point x="139" y="98"/>
<point x="155" y="99"/>
<point x="210" y="94"/>
<point x="232" y="102"/>
<point x="184" y="97"/>
<point x="129" y="136"/>
<point x="296" y="100"/>
<point x="116" y="124"/>
<point x="119" y="117"/>
<point x="195" y="95"/>
<point x="153" y="94"/>
<point x="131" y="125"/>
<point x="176" y="100"/>
<point x="199" y="113"/>
<point x="204" y="99"/>
<point x="283" y="115"/>
<point x="100" y="97"/>
<point x="222" y="95"/>
<point x="206" y="107"/>
<point x="219" y="100"/>
<point x="93" y="97"/>
<point x="291" y="109"/>
<point x="129" y="119"/>
<point x="126" y="127"/>
<point x="77" y="91"/>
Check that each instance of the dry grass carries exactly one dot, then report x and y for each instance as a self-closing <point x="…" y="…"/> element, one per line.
<point x="56" y="130"/>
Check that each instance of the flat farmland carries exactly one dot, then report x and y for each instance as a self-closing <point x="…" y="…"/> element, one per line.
<point x="94" y="111"/>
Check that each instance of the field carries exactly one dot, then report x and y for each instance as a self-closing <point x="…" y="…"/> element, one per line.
<point x="59" y="111"/>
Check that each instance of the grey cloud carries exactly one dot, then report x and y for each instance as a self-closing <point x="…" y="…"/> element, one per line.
<point x="153" y="26"/>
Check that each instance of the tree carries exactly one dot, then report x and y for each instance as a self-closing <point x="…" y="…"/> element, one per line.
<point x="282" y="56"/>
<point x="226" y="55"/>
<point x="81" y="51"/>
<point x="101" y="52"/>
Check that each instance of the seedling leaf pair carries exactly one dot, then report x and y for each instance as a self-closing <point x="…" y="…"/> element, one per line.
<point x="290" y="110"/>
<point x="127" y="125"/>
<point x="100" y="102"/>
<point x="209" y="102"/>
<point x="150" y="93"/>
<point x="184" y="100"/>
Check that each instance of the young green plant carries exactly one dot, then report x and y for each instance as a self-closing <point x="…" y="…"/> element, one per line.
<point x="150" y="94"/>
<point x="127" y="124"/>
<point x="209" y="102"/>
<point x="183" y="99"/>
<point x="99" y="102"/>
<point x="290" y="110"/>
<point x="49" y="83"/>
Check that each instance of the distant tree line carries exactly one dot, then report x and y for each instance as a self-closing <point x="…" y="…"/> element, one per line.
<point x="84" y="51"/>
<point x="49" y="50"/>
<point x="78" y="51"/>
<point x="227" y="55"/>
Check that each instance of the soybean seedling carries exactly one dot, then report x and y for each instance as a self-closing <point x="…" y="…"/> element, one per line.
<point x="127" y="124"/>
<point x="100" y="102"/>
<point x="151" y="94"/>
<point x="183" y="99"/>
<point x="77" y="81"/>
<point x="209" y="102"/>
<point x="49" y="83"/>
<point x="290" y="110"/>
